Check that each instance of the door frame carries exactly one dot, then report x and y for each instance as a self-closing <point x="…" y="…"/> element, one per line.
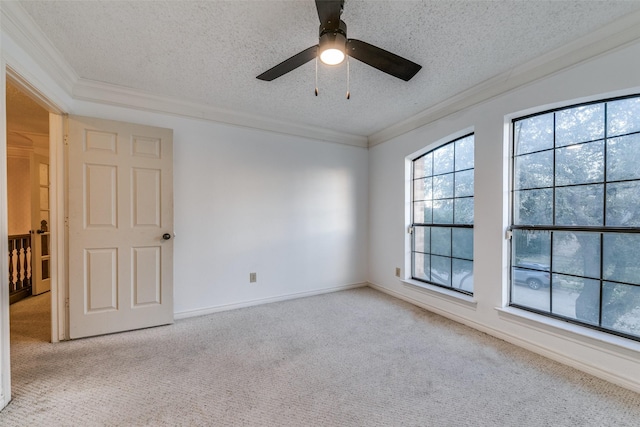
<point x="57" y="174"/>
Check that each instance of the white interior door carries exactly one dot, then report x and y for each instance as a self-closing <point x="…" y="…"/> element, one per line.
<point x="120" y="226"/>
<point x="40" y="225"/>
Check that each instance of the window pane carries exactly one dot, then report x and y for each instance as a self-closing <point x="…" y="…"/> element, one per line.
<point x="441" y="241"/>
<point x="443" y="212"/>
<point x="534" y="170"/>
<point x="580" y="205"/>
<point x="443" y="186"/>
<point x="576" y="298"/>
<point x="464" y="183"/>
<point x="444" y="179"/>
<point x="441" y="270"/>
<point x="621" y="308"/>
<point x="443" y="159"/>
<point x="44" y="244"/>
<point x="580" y="164"/>
<point x="533" y="275"/>
<point x="44" y="198"/>
<point x="422" y="189"/>
<point x="531" y="249"/>
<point x="43" y="173"/>
<point x="463" y="210"/>
<point x="623" y="209"/>
<point x="533" y="134"/>
<point x="594" y="185"/>
<point x="524" y="294"/>
<point x="464" y="153"/>
<point x="44" y="216"/>
<point x="533" y="207"/>
<point x="462" y="275"/>
<point x="623" y="116"/>
<point x="421" y="266"/>
<point x="421" y="239"/>
<point x="45" y="269"/>
<point x="621" y="255"/>
<point x="463" y="243"/>
<point x="579" y="124"/>
<point x="623" y="158"/>
<point x="422" y="212"/>
<point x="576" y="253"/>
<point x="422" y="166"/>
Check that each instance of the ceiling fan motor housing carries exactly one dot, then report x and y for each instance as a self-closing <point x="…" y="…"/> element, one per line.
<point x="333" y="38"/>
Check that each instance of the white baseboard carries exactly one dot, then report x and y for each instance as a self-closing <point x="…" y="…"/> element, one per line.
<point x="216" y="309"/>
<point x="548" y="352"/>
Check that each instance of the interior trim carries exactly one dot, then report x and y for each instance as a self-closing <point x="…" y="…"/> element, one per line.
<point x="88" y="90"/>
<point x="20" y="26"/>
<point x="610" y="37"/>
<point x="226" y="307"/>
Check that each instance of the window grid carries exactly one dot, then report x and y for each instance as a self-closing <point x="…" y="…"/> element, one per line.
<point x="615" y="306"/>
<point x="456" y="249"/>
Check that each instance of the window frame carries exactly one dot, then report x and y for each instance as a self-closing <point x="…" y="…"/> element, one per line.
<point x="600" y="230"/>
<point x="452" y="225"/>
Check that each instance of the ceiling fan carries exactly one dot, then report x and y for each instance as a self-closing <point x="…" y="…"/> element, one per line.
<point x="334" y="46"/>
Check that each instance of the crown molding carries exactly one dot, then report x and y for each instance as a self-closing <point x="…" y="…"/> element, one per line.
<point x="88" y="90"/>
<point x="613" y="36"/>
<point x="18" y="25"/>
<point x="21" y="28"/>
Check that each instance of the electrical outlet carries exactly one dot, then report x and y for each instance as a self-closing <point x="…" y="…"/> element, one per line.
<point x="253" y="277"/>
<point x="397" y="271"/>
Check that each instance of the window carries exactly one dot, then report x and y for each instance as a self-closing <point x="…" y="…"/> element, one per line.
<point x="576" y="215"/>
<point x="442" y="225"/>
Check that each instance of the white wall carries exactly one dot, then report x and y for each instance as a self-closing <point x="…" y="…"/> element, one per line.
<point x="292" y="210"/>
<point x="616" y="359"/>
<point x="18" y="194"/>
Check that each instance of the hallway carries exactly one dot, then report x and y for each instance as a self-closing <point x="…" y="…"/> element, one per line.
<point x="30" y="322"/>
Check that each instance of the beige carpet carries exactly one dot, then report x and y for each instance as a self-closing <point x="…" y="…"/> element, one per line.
<point x="352" y="358"/>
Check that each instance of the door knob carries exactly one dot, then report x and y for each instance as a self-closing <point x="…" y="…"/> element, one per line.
<point x="166" y="236"/>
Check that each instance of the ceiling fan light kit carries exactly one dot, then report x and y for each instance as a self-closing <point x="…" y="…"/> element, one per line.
<point x="333" y="44"/>
<point x="334" y="47"/>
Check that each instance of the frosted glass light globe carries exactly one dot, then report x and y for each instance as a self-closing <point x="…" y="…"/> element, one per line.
<point x="332" y="56"/>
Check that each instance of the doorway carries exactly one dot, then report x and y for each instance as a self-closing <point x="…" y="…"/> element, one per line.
<point x="28" y="215"/>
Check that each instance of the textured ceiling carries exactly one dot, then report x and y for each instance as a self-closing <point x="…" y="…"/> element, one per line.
<point x="210" y="52"/>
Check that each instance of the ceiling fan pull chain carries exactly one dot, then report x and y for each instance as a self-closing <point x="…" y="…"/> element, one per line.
<point x="348" y="73"/>
<point x="316" y="76"/>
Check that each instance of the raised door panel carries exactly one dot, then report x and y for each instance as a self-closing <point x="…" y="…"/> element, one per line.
<point x="147" y="284"/>
<point x="101" y="280"/>
<point x="100" y="196"/>
<point x="146" y="197"/>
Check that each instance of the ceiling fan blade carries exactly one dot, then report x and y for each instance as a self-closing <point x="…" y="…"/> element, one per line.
<point x="289" y="64"/>
<point x="383" y="60"/>
<point x="329" y="11"/>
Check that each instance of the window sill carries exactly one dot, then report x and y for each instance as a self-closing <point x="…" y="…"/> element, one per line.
<point x="442" y="293"/>
<point x="569" y="331"/>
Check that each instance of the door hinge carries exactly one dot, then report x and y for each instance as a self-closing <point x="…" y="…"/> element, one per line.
<point x="410" y="229"/>
<point x="66" y="302"/>
<point x="508" y="234"/>
<point x="66" y="140"/>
